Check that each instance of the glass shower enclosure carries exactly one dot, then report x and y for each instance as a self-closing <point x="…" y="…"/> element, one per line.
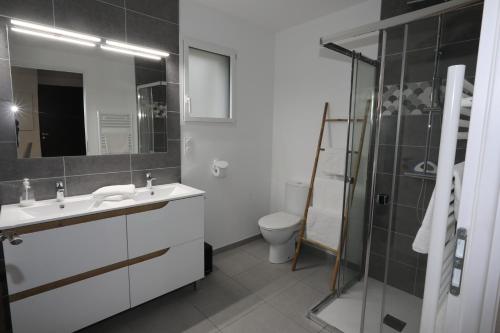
<point x="392" y="152"/>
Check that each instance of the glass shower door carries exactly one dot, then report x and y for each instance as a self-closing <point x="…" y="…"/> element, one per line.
<point x="358" y="168"/>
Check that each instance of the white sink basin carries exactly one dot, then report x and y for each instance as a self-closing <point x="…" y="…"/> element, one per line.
<point x="49" y="207"/>
<point x="12" y="216"/>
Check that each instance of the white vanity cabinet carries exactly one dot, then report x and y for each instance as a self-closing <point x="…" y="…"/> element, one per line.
<point x="60" y="253"/>
<point x="66" y="277"/>
<point x="177" y="227"/>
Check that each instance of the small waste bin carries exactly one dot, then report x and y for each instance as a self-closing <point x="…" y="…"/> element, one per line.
<point x="208" y="258"/>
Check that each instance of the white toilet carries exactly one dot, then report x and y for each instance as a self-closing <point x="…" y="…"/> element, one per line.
<point x="280" y="229"/>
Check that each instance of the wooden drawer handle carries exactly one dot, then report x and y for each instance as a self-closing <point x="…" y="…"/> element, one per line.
<point x="86" y="275"/>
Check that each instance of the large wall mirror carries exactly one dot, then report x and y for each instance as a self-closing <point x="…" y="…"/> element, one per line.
<point x="76" y="100"/>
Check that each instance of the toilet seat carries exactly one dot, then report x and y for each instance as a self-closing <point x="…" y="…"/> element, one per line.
<point x="279" y="221"/>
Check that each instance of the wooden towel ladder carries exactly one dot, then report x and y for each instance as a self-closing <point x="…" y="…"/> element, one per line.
<point x="343" y="236"/>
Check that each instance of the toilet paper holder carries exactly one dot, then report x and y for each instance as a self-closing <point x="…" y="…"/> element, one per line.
<point x="218" y="168"/>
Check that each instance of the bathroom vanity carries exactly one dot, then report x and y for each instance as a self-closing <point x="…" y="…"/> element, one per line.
<point x="73" y="263"/>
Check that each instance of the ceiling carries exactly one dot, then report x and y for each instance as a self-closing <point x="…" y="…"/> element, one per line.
<point x="277" y="15"/>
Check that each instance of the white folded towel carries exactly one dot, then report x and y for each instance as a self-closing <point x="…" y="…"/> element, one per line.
<point x="115" y="192"/>
<point x="328" y="193"/>
<point x="332" y="162"/>
<point x="324" y="226"/>
<point x="422" y="239"/>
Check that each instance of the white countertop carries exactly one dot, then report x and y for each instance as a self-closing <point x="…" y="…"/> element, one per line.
<point x="15" y="216"/>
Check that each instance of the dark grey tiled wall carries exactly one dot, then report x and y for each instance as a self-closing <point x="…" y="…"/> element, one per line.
<point x="459" y="45"/>
<point x="151" y="23"/>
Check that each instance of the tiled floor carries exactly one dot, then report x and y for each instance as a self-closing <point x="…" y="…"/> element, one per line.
<point x="245" y="293"/>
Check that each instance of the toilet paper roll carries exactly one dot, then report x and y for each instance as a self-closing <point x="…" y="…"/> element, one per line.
<point x="218" y="168"/>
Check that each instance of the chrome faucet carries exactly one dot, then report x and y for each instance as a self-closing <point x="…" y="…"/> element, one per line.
<point x="60" y="191"/>
<point x="149" y="181"/>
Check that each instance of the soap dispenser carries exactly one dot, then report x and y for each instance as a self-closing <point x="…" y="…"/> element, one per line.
<point x="27" y="194"/>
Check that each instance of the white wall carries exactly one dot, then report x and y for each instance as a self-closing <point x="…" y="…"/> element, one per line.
<point x="307" y="76"/>
<point x="235" y="203"/>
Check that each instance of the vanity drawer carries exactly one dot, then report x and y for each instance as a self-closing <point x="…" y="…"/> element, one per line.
<point x="181" y="265"/>
<point x="50" y="255"/>
<point x="74" y="306"/>
<point x="178" y="222"/>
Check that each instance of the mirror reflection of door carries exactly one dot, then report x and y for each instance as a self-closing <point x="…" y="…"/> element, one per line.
<point x="51" y="120"/>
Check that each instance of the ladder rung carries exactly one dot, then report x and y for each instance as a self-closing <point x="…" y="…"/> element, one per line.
<point x="342" y="119"/>
<point x="350" y="151"/>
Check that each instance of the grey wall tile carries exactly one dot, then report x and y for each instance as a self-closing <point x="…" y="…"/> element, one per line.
<point x="174" y="129"/>
<point x="91" y="17"/>
<point x="385" y="163"/>
<point x="407" y="220"/>
<point x="164" y="9"/>
<point x="145" y="75"/>
<point x="83" y="165"/>
<point x="47" y="167"/>
<point x="388" y="129"/>
<point x="392" y="72"/>
<point x="420" y="283"/>
<point x="15" y="169"/>
<point x="376" y="267"/>
<point x="77" y="185"/>
<point x="459" y="54"/>
<point x="5" y="82"/>
<point x="4" y="50"/>
<point x="422" y="34"/>
<point x="8" y="158"/>
<point x="419" y="65"/>
<point x="120" y="3"/>
<point x="44" y="189"/>
<point x="395" y="37"/>
<point x="401" y="276"/>
<point x="408" y="190"/>
<point x="158" y="160"/>
<point x="414" y="130"/>
<point x="401" y="249"/>
<point x="172" y="65"/>
<point x="462" y="25"/>
<point x="173" y="97"/>
<point x="39" y="11"/>
<point x="163" y="176"/>
<point x="7" y="123"/>
<point x="160" y="34"/>
<point x="379" y="241"/>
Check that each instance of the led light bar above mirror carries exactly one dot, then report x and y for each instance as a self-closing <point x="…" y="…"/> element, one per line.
<point x="61" y="35"/>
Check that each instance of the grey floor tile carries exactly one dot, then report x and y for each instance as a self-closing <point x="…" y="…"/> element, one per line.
<point x="266" y="279"/>
<point x="264" y="319"/>
<point x="234" y="261"/>
<point x="222" y="299"/>
<point x="295" y="302"/>
<point x="257" y="248"/>
<point x="320" y="279"/>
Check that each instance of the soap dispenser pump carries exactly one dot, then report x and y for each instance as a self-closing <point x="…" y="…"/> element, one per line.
<point x="28" y="195"/>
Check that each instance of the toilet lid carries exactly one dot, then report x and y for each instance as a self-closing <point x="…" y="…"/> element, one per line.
<point x="280" y="220"/>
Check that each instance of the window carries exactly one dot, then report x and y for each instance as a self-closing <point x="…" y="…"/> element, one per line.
<point x="208" y="78"/>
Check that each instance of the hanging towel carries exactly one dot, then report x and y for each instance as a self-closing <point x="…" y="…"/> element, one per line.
<point x="324" y="226"/>
<point x="421" y="242"/>
<point x="328" y="193"/>
<point x="115" y="192"/>
<point x="332" y="162"/>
